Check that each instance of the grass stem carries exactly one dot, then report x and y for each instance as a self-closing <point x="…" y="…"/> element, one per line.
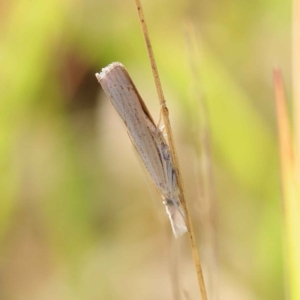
<point x="290" y="192"/>
<point x="165" y="113"/>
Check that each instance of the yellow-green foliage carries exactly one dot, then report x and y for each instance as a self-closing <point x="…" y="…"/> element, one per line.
<point x="79" y="217"/>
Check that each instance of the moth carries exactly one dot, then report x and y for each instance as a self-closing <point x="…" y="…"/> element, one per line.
<point x="147" y="138"/>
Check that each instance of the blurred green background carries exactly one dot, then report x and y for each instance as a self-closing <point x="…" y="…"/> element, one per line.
<point x="79" y="215"/>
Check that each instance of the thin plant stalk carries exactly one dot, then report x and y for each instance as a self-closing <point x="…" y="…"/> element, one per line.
<point x="295" y="220"/>
<point x="207" y="198"/>
<point x="290" y="192"/>
<point x="165" y="114"/>
<point x="296" y="77"/>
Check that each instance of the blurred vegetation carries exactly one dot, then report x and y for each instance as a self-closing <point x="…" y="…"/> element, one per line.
<point x="79" y="217"/>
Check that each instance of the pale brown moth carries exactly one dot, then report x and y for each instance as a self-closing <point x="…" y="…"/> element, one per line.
<point x="147" y="138"/>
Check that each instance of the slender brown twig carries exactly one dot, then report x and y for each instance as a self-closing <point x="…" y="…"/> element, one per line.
<point x="165" y="114"/>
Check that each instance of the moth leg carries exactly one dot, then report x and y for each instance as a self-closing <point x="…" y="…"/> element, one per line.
<point x="162" y="128"/>
<point x="158" y="126"/>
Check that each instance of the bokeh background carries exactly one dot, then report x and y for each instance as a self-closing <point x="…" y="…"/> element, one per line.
<point x="79" y="215"/>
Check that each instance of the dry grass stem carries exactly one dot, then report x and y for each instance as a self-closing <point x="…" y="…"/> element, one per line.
<point x="296" y="76"/>
<point x="285" y="139"/>
<point x="204" y="168"/>
<point x="165" y="114"/>
<point x="290" y="191"/>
